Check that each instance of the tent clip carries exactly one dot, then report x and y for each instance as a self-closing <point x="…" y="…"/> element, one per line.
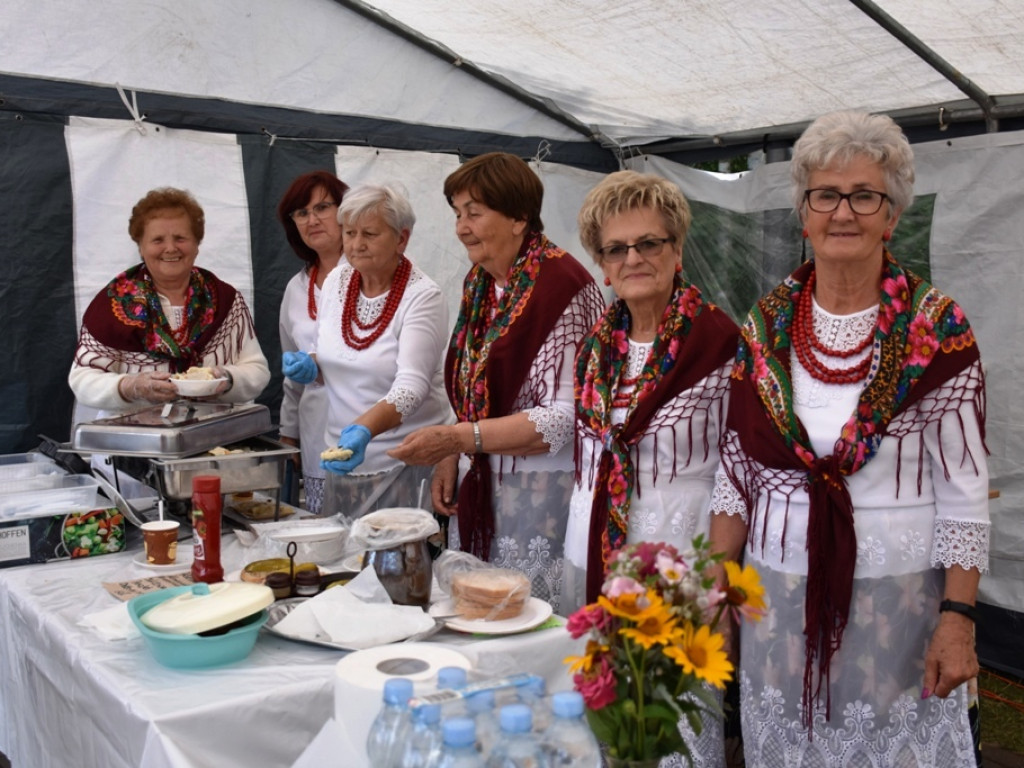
<point x="273" y="136"/>
<point x="943" y="125"/>
<point x="133" y="108"/>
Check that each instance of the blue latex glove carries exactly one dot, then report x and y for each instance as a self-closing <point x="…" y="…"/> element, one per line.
<point x="354" y="437"/>
<point x="299" y="367"/>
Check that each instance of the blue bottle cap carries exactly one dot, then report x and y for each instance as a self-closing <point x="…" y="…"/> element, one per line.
<point x="429" y="714"/>
<point x="481" y="701"/>
<point x="451" y="677"/>
<point x="397" y="690"/>
<point x="516" y="718"/>
<point x="458" y="732"/>
<point x="567" y="704"/>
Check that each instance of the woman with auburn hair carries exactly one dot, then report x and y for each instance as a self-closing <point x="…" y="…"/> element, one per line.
<point x="164" y="316"/>
<point x="505" y="469"/>
<point x="308" y="212"/>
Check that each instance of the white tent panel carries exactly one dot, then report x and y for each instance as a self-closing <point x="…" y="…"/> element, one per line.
<point x="642" y="70"/>
<point x="304" y="54"/>
<point x="114" y="165"/>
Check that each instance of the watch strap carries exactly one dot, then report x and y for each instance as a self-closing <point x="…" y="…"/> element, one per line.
<point x="964" y="609"/>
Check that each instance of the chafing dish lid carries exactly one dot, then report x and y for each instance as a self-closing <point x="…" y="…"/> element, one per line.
<point x="178" y="429"/>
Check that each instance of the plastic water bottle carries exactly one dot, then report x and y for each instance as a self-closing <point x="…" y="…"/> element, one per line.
<point x="568" y="742"/>
<point x="517" y="747"/>
<point x="453" y="678"/>
<point x="423" y="747"/>
<point x="387" y="736"/>
<point x="458" y="749"/>
<point x="533" y="694"/>
<point x="480" y="707"/>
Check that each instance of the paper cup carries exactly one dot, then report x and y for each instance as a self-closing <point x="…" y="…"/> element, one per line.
<point x="160" y="538"/>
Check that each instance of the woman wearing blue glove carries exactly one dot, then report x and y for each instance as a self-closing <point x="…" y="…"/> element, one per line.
<point x="381" y="330"/>
<point x="308" y="212"/>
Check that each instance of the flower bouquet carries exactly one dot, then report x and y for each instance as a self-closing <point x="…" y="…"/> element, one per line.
<point x="653" y="649"/>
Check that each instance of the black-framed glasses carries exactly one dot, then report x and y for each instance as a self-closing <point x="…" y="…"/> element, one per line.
<point x="645" y="249"/>
<point x="863" y="202"/>
<point x="319" y="210"/>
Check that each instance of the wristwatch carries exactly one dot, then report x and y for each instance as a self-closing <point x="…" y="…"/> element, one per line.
<point x="964" y="609"/>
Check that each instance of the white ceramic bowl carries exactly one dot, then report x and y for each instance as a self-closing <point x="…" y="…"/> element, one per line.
<point x="196" y="387"/>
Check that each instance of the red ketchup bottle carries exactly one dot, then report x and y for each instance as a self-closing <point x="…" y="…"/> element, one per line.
<point x="206" y="511"/>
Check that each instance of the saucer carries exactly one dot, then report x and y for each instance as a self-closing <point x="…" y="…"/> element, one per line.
<point x="182" y="563"/>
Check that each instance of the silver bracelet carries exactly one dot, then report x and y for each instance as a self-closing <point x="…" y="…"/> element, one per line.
<point x="478" y="441"/>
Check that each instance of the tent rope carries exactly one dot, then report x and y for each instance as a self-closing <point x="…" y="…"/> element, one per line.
<point x="133" y="108"/>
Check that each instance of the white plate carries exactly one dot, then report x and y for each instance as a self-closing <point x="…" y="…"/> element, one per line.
<point x="535" y="613"/>
<point x="196" y="387"/>
<point x="353" y="563"/>
<point x="182" y="563"/>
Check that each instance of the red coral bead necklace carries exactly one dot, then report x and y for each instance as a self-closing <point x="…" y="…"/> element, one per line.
<point x="349" y="319"/>
<point x="311" y="298"/>
<point x="805" y="341"/>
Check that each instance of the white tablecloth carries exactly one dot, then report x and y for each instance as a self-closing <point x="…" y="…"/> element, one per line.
<point x="70" y="698"/>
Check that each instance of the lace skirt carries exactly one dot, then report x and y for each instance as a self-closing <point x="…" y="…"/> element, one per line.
<point x="878" y="719"/>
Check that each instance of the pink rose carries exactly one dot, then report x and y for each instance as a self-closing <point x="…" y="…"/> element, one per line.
<point x="622" y="585"/>
<point x="597" y="686"/>
<point x="587" y="618"/>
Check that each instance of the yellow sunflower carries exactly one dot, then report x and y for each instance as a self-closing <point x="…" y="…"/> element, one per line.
<point x="700" y="653"/>
<point x="585" y="663"/>
<point x="745" y="592"/>
<point x="655" y="626"/>
<point x="629" y="605"/>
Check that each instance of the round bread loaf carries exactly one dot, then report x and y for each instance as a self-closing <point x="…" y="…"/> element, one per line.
<point x="490" y="593"/>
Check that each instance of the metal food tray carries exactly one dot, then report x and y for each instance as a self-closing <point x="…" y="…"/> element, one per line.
<point x="260" y="467"/>
<point x="175" y="430"/>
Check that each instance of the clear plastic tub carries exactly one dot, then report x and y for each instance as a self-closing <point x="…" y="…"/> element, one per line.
<point x="47" y="495"/>
<point x="17" y="468"/>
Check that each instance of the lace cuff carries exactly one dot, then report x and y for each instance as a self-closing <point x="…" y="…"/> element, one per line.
<point x="961" y="542"/>
<point x="554" y="424"/>
<point x="404" y="400"/>
<point x="726" y="500"/>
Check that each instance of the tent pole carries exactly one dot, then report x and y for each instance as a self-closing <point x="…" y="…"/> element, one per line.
<point x="943" y="67"/>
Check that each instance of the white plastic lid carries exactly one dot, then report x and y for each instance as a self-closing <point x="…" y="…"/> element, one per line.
<point x="207" y="606"/>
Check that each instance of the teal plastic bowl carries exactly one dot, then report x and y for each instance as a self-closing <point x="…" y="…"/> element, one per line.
<point x="194" y="651"/>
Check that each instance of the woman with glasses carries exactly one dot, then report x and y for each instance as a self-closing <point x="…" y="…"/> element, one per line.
<point x="308" y="212"/>
<point x="381" y="329"/>
<point x="651" y="380"/>
<point x="526" y="303"/>
<point x="854" y="480"/>
<point x="163" y="316"/>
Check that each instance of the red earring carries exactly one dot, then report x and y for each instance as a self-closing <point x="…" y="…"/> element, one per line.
<point x="679" y="267"/>
<point x="607" y="281"/>
<point x="887" y="235"/>
<point x="805" y="232"/>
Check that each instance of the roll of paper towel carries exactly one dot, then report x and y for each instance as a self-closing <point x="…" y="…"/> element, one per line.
<point x="359" y="679"/>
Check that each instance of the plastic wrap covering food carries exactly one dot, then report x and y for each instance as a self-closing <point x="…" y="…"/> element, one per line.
<point x="480" y="590"/>
<point x="388" y="528"/>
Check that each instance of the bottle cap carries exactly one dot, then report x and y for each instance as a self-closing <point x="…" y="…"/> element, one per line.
<point x="206" y="484"/>
<point x="459" y="732"/>
<point x="451" y="677"/>
<point x="567" y="704"/>
<point x="429" y="714"/>
<point x="398" y="690"/>
<point x="481" y="701"/>
<point x="516" y="718"/>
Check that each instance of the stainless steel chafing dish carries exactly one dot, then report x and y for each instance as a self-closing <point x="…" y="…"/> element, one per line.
<point x="174" y="430"/>
<point x="166" y="446"/>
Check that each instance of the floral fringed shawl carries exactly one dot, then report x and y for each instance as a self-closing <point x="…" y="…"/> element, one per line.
<point x="489" y="361"/>
<point x="693" y="339"/>
<point x="127" y="319"/>
<point x="922" y="340"/>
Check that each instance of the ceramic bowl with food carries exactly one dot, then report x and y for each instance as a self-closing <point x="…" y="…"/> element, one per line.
<point x="196" y="387"/>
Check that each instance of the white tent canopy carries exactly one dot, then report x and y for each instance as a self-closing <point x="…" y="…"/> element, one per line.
<point x="101" y="102"/>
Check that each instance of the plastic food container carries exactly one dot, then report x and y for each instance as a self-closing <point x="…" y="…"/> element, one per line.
<point x="206" y="608"/>
<point x="17" y="468"/>
<point x="47" y="494"/>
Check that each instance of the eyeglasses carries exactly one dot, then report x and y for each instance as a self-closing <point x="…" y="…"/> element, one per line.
<point x="319" y="210"/>
<point x="644" y="249"/>
<point x="863" y="202"/>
